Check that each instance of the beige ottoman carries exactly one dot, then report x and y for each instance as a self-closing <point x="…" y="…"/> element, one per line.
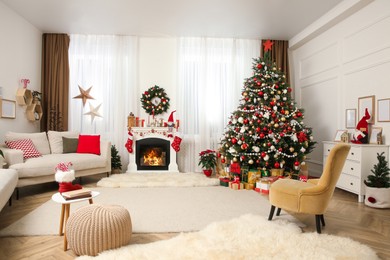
<point x="96" y="228"/>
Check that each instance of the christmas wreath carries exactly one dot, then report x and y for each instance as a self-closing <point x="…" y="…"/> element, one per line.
<point x="155" y="101"/>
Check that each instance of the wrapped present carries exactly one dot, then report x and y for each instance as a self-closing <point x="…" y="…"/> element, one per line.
<point x="264" y="186"/>
<point x="236" y="186"/>
<point x="224" y="182"/>
<point x="277" y="172"/>
<point x="253" y="176"/>
<point x="265" y="173"/>
<point x="244" y="173"/>
<point x="235" y="168"/>
<point x="257" y="190"/>
<point x="249" y="186"/>
<point x="131" y="121"/>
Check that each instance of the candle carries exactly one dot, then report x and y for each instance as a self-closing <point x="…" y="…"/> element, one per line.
<point x="177" y="123"/>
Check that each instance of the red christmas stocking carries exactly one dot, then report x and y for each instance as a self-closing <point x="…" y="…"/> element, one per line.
<point x="176" y="143"/>
<point x="129" y="143"/>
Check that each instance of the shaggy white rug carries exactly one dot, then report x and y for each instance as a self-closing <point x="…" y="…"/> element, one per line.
<point x="136" y="180"/>
<point x="246" y="237"/>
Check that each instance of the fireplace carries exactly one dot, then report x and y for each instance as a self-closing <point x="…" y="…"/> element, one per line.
<point x="152" y="154"/>
<point x="153" y="151"/>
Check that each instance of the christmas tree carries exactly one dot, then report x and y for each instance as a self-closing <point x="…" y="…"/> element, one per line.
<point x="267" y="129"/>
<point x="380" y="174"/>
<point x="115" y="158"/>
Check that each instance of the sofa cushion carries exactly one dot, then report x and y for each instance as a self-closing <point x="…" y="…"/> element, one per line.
<point x="55" y="139"/>
<point x="89" y="144"/>
<point x="39" y="140"/>
<point x="26" y="145"/>
<point x="46" y="164"/>
<point x="70" y="144"/>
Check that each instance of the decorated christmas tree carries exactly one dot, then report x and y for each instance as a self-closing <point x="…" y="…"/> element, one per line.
<point x="267" y="129"/>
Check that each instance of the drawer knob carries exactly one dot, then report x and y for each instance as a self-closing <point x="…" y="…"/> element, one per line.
<point x="351" y="169"/>
<point x="352" y="154"/>
<point x="351" y="184"/>
<point x="328" y="150"/>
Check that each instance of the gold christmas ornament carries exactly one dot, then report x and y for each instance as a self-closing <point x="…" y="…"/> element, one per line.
<point x="291" y="149"/>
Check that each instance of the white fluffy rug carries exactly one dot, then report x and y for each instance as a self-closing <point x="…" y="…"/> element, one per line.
<point x="246" y="237"/>
<point x="136" y="180"/>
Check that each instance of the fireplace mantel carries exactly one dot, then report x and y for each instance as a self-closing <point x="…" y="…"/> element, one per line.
<point x="140" y="133"/>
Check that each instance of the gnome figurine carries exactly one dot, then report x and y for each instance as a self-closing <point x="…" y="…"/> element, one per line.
<point x="361" y="132"/>
<point x="64" y="176"/>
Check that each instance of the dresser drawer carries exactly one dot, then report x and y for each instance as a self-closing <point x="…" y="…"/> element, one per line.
<point x="354" y="154"/>
<point x="349" y="182"/>
<point x="327" y="148"/>
<point x="352" y="168"/>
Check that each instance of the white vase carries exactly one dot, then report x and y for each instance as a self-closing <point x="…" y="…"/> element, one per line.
<point x="377" y="197"/>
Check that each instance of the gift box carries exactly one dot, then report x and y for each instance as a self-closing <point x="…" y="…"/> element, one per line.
<point x="244" y="173"/>
<point x="277" y="172"/>
<point x="265" y="173"/>
<point x="257" y="190"/>
<point x="236" y="185"/>
<point x="253" y="176"/>
<point x="264" y="186"/>
<point x="249" y="186"/>
<point x="235" y="168"/>
<point x="224" y="182"/>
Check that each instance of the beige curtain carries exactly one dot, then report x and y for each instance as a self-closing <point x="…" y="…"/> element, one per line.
<point x="55" y="82"/>
<point x="279" y="54"/>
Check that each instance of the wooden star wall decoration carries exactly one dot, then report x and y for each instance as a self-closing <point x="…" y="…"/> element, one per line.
<point x="84" y="95"/>
<point x="93" y="111"/>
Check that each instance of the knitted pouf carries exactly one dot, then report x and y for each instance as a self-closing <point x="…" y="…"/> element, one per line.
<point x="96" y="228"/>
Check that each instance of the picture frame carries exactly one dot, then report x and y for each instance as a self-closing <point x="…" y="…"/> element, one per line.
<point x="376" y="135"/>
<point x="337" y="137"/>
<point x="8" y="108"/>
<point x="369" y="103"/>
<point x="350" y="118"/>
<point x="383" y="110"/>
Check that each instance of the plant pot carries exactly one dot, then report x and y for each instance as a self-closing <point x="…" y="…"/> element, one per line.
<point x="208" y="172"/>
<point x="377" y="197"/>
<point x="116" y="171"/>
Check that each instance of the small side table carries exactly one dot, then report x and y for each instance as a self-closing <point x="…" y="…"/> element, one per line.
<point x="65" y="211"/>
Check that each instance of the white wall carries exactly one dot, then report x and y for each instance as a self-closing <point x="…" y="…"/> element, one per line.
<point x="331" y="71"/>
<point x="20" y="57"/>
<point x="157" y="66"/>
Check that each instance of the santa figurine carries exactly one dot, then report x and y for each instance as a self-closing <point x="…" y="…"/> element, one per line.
<point x="64" y="176"/>
<point x="361" y="132"/>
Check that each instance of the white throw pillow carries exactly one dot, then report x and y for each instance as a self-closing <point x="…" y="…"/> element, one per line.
<point x="39" y="140"/>
<point x="55" y="140"/>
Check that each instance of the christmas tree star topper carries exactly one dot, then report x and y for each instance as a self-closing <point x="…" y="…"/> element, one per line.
<point x="84" y="95"/>
<point x="268" y="45"/>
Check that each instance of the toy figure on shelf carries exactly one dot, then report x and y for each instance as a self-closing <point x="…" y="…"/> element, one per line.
<point x="361" y="132"/>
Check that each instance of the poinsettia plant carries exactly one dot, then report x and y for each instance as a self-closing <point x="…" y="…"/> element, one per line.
<point x="208" y="159"/>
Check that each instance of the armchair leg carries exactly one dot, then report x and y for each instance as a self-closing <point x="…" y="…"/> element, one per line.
<point x="278" y="212"/>
<point x="318" y="223"/>
<point x="271" y="213"/>
<point x="322" y="220"/>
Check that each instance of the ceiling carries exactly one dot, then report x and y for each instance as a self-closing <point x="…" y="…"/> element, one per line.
<point x="275" y="19"/>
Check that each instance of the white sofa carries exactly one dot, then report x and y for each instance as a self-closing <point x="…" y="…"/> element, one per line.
<point x="42" y="169"/>
<point x="8" y="182"/>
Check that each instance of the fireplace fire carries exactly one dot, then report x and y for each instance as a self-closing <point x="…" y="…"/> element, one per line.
<point x="153" y="157"/>
<point x="152" y="154"/>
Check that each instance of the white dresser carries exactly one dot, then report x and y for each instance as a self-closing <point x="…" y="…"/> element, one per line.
<point x="361" y="159"/>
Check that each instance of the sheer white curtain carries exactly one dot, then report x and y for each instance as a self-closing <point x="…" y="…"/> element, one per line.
<point x="109" y="65"/>
<point x="211" y="74"/>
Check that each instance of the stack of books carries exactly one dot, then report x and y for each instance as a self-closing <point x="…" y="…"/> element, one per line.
<point x="77" y="194"/>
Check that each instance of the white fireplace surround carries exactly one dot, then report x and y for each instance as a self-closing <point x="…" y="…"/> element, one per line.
<point x="140" y="133"/>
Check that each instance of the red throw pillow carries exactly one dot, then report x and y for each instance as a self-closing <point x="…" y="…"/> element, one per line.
<point x="89" y="144"/>
<point x="26" y="145"/>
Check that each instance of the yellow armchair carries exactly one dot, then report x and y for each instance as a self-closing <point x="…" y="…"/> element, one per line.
<point x="310" y="197"/>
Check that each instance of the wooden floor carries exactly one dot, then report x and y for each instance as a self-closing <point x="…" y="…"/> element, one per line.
<point x="345" y="217"/>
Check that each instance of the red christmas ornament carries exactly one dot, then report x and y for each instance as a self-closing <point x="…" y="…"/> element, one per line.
<point x="223" y="161"/>
<point x="277" y="165"/>
<point x="272" y="103"/>
<point x="246" y="121"/>
<point x="261" y="93"/>
<point x="296" y="163"/>
<point x="289" y="89"/>
<point x="234" y="140"/>
<point x="244" y="146"/>
<point x="258" y="83"/>
<point x="269" y="144"/>
<point x="258" y="130"/>
<point x="263" y="154"/>
<point x="262" y="135"/>
<point x="276" y="86"/>
<point x="280" y="149"/>
<point x="259" y="66"/>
